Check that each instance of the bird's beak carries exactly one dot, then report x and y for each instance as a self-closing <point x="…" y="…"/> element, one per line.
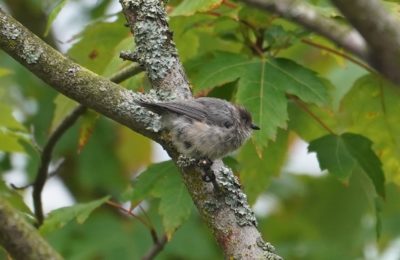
<point x="255" y="127"/>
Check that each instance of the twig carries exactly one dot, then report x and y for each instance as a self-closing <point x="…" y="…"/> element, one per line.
<point x="15" y="187"/>
<point x="50" y="174"/>
<point x="309" y="17"/>
<point x="157" y="248"/>
<point x="67" y="123"/>
<point x="130" y="213"/>
<point x="45" y="159"/>
<point x="338" y="53"/>
<point x="309" y="112"/>
<point x="158" y="243"/>
<point x="125" y="73"/>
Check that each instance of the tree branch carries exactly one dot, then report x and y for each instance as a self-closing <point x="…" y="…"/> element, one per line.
<point x="381" y="31"/>
<point x="226" y="212"/>
<point x="75" y="81"/>
<point x="155" y="49"/>
<point x="309" y="17"/>
<point x="19" y="238"/>
<point x="375" y="37"/>
<point x="67" y="123"/>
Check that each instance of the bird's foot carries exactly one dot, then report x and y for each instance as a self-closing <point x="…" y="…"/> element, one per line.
<point x="205" y="163"/>
<point x="208" y="174"/>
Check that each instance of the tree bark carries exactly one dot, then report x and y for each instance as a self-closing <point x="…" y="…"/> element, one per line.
<point x="20" y="239"/>
<point x="380" y="29"/>
<point x="374" y="37"/>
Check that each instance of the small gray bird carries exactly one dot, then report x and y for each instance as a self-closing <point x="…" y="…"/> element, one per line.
<point x="204" y="128"/>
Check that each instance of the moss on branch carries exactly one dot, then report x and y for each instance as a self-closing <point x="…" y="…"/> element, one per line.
<point x="20" y="239"/>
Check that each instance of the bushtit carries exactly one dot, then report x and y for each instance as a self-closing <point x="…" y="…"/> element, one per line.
<point x="204" y="128"/>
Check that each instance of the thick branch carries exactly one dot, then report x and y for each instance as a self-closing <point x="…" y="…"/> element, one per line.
<point x="73" y="80"/>
<point x="155" y="49"/>
<point x="19" y="238"/>
<point x="309" y="17"/>
<point x="381" y="31"/>
<point x="226" y="211"/>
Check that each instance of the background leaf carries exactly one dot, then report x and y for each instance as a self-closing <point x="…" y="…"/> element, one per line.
<point x="147" y="180"/>
<point x="63" y="107"/>
<point x="333" y="155"/>
<point x="60" y="217"/>
<point x="339" y="154"/>
<point x="371" y="108"/>
<point x="262" y="87"/>
<point x="95" y="48"/>
<point x="89" y="120"/>
<point x="188" y="7"/>
<point x="5" y="72"/>
<point x="175" y="202"/>
<point x="12" y="132"/>
<point x="361" y="149"/>
<point x="53" y="15"/>
<point x="256" y="172"/>
<point x="14" y="198"/>
<point x="162" y="180"/>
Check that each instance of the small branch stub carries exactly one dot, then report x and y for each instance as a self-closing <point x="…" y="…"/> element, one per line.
<point x="155" y="49"/>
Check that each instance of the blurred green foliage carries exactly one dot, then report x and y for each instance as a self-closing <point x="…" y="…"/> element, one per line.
<point x="295" y="90"/>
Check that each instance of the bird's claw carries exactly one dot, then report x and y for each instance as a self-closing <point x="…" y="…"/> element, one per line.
<point x="204" y="163"/>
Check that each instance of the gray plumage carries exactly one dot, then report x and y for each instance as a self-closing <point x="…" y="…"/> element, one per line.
<point x="204" y="127"/>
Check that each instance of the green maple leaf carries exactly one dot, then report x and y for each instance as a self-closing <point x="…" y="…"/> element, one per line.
<point x="340" y="154"/>
<point x="262" y="86"/>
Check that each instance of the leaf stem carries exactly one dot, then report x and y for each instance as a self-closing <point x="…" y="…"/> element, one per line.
<point x="157" y="248"/>
<point x="338" y="53"/>
<point x="130" y="213"/>
<point x="158" y="243"/>
<point x="310" y="113"/>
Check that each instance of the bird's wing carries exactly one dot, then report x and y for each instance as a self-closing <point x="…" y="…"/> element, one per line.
<point x="187" y="108"/>
<point x="219" y="112"/>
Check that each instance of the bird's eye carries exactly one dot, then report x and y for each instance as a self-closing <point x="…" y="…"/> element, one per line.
<point x="228" y="124"/>
<point x="245" y="116"/>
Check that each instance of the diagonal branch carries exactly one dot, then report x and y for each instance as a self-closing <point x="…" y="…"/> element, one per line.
<point x="155" y="49"/>
<point x="19" y="238"/>
<point x="73" y="80"/>
<point x="309" y="17"/>
<point x="375" y="37"/>
<point x="227" y="212"/>
<point x="380" y="29"/>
